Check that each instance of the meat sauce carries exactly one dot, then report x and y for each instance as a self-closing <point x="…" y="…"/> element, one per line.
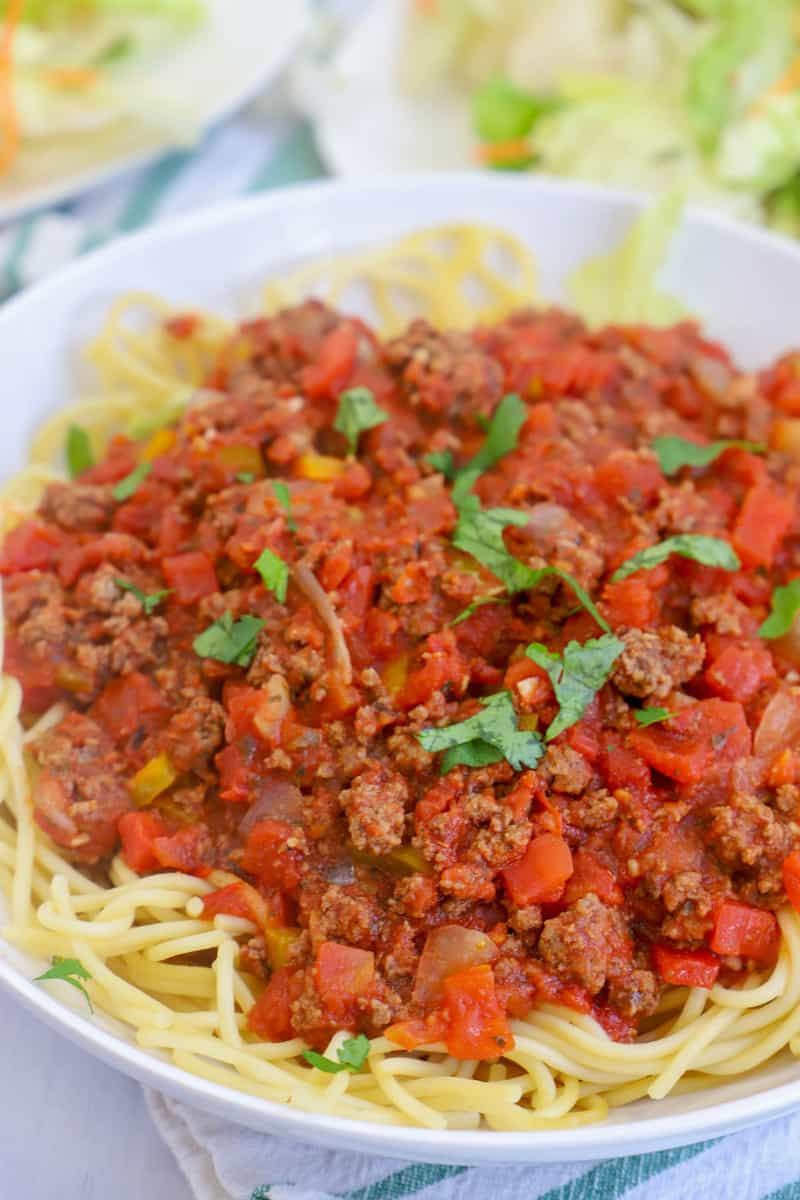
<point x="387" y="894"/>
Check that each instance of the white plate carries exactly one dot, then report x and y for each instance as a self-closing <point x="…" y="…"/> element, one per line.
<point x="364" y="122"/>
<point x="744" y="282"/>
<point x="222" y="65"/>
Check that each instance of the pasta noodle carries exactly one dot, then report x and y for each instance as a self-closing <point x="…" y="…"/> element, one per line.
<point x="133" y="936"/>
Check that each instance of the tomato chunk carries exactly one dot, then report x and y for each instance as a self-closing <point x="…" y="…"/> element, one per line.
<point x="130" y="703"/>
<point x="542" y="871"/>
<point x="343" y="974"/>
<point x="589" y="875"/>
<point x="477" y="1025"/>
<point x="185" y="850"/>
<point x="190" y="576"/>
<point x="138" y="832"/>
<point x="745" y="931"/>
<point x="270" y="1017"/>
<point x="762" y="524"/>
<point x="336" y="358"/>
<point x="686" y="968"/>
<point x="740" y="671"/>
<point x="30" y="546"/>
<point x="268" y="856"/>
<point x="791" y="879"/>
<point x="699" y="737"/>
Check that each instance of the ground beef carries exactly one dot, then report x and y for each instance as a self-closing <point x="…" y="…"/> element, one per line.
<point x="346" y="914"/>
<point x="81" y="792"/>
<point x="724" y="612"/>
<point x="593" y="809"/>
<point x="747" y="834"/>
<point x="79" y="507"/>
<point x="634" y="993"/>
<point x="375" y="804"/>
<point x="653" y="664"/>
<point x="194" y="734"/>
<point x="445" y="370"/>
<point x="583" y="943"/>
<point x="566" y="770"/>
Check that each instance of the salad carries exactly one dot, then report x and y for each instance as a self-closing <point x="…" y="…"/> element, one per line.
<point x="702" y="95"/>
<point x="68" y="68"/>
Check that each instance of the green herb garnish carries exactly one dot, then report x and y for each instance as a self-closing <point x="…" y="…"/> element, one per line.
<point x="130" y="484"/>
<point x="284" y="498"/>
<point x="476" y="604"/>
<point x="710" y="551"/>
<point x="274" y="572"/>
<point x="357" y="413"/>
<point x="148" y="602"/>
<point x="78" y="451"/>
<point x="352" y="1054"/>
<point x="230" y="641"/>
<point x="676" y="452"/>
<point x="651" y="716"/>
<point x="576" y="675"/>
<point x="501" y="438"/>
<point x="71" y="971"/>
<point x="783" y="610"/>
<point x="442" y="460"/>
<point x="117" y="49"/>
<point x="487" y="737"/>
<point x="245" y="477"/>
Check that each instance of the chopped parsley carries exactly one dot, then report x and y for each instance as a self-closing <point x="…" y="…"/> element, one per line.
<point x="230" y="641"/>
<point x="676" y="452"/>
<point x="710" y="551"/>
<point x="351" y="1055"/>
<point x="245" y="477"/>
<point x="284" y="498"/>
<point x="127" y="486"/>
<point x="78" y="451"/>
<point x="783" y="610"/>
<point x="485" y="738"/>
<point x="148" y="602"/>
<point x="442" y="460"/>
<point x="501" y="438"/>
<point x="71" y="971"/>
<point x="651" y="716"/>
<point x="476" y="604"/>
<point x="357" y="413"/>
<point x="117" y="49"/>
<point x="274" y="572"/>
<point x="576" y="675"/>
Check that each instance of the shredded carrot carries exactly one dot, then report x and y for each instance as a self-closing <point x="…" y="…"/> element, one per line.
<point x="788" y="82"/>
<point x="503" y="152"/>
<point x="9" y="125"/>
<point x="71" y="78"/>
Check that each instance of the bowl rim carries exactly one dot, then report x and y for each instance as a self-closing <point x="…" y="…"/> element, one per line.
<point x="416" y="1144"/>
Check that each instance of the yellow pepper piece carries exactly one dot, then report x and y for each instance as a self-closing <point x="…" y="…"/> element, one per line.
<point x="153" y="779"/>
<point x="161" y="441"/>
<point x="321" y="467"/>
<point x="244" y="459"/>
<point x="404" y="860"/>
<point x="279" y="942"/>
<point x="395" y="674"/>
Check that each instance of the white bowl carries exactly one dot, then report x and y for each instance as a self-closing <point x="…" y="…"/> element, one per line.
<point x="745" y="285"/>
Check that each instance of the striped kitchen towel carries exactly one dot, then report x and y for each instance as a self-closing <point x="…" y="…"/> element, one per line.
<point x="224" y="1162"/>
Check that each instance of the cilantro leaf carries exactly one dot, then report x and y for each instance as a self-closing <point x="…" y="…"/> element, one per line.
<point x="501" y="438"/>
<point x="676" y="452"/>
<point x="466" y="613"/>
<point x="71" y="971"/>
<point x="357" y="413"/>
<point x="245" y="477"/>
<point x="784" y="606"/>
<point x="711" y="551"/>
<point x="274" y="572"/>
<point x="651" y="716"/>
<point x="121" y="47"/>
<point x="576" y="675"/>
<point x="284" y="498"/>
<point x="148" y="602"/>
<point x="78" y="451"/>
<point x="352" y="1054"/>
<point x="127" y="486"/>
<point x="487" y="737"/>
<point x="442" y="460"/>
<point x="230" y="641"/>
<point x="581" y="593"/>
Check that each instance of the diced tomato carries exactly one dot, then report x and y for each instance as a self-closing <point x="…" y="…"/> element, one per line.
<point x="130" y="703"/>
<point x="589" y="875"/>
<point x="30" y="546"/>
<point x="746" y="932"/>
<point x="174" y="530"/>
<point x="336" y="358"/>
<point x="141" y="515"/>
<point x="270" y="859"/>
<point x="138" y="832"/>
<point x="182" y="325"/>
<point x="418" y="1031"/>
<point x="631" y="603"/>
<point x="625" y="475"/>
<point x="740" y="671"/>
<point x="190" y="576"/>
<point x="477" y="1025"/>
<point x="542" y="871"/>
<point x="705" y="734"/>
<point x="119" y="548"/>
<point x="231" y="900"/>
<point x="356" y="592"/>
<point x="270" y="1017"/>
<point x="354" y="482"/>
<point x="791" y="879"/>
<point x="686" y="968"/>
<point x="762" y="524"/>
<point x="343" y="974"/>
<point x="37" y="678"/>
<point x="185" y="850"/>
<point x="443" y="664"/>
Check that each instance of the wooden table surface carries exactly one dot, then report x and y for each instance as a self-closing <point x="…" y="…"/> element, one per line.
<point x="71" y="1127"/>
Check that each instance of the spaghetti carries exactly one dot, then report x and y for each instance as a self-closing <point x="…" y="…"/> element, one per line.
<point x="164" y="962"/>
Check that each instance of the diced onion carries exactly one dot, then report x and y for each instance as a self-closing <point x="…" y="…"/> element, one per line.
<point x="779" y="726"/>
<point x="278" y="799"/>
<point x="310" y="585"/>
<point x="449" y="949"/>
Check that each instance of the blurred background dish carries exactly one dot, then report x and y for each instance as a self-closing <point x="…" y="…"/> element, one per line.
<point x="87" y="96"/>
<point x="703" y="95"/>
